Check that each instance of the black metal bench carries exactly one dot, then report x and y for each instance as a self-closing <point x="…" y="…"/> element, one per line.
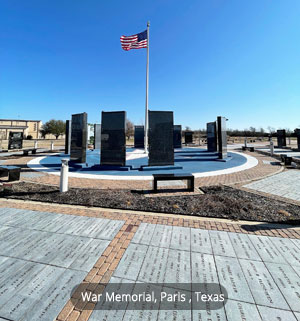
<point x="175" y="177"/>
<point x="13" y="172"/>
<point x="26" y="151"/>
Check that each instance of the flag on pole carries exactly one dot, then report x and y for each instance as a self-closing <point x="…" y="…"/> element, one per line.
<point x="137" y="41"/>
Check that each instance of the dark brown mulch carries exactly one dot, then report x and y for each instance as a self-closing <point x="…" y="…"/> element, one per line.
<point x="217" y="201"/>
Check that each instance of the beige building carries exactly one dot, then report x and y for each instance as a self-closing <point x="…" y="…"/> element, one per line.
<point x="28" y="127"/>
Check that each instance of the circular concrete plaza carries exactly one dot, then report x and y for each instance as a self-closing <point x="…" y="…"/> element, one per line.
<point x="197" y="161"/>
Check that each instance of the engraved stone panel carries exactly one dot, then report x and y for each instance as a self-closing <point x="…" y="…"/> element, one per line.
<point x="243" y="247"/>
<point x="288" y="249"/>
<point x="262" y="286"/>
<point x="78" y="138"/>
<point x="144" y="234"/>
<point x="237" y="311"/>
<point x="15" y="140"/>
<point x="113" y="140"/>
<point x="68" y="137"/>
<point x="177" y="141"/>
<point x="188" y="137"/>
<point x="211" y="132"/>
<point x="222" y="137"/>
<point x="200" y="241"/>
<point x="271" y="314"/>
<point x="266" y="249"/>
<point x="181" y="238"/>
<point x="281" y="138"/>
<point x="154" y="266"/>
<point x="297" y="131"/>
<point x="232" y="278"/>
<point x="97" y="136"/>
<point x="221" y="244"/>
<point x="139" y="136"/>
<point x="131" y="262"/>
<point x="161" y="149"/>
<point x="162" y="236"/>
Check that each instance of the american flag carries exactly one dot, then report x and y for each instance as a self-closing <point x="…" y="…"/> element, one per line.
<point x="137" y="41"/>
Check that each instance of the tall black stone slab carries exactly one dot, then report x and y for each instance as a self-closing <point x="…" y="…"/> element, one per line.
<point x="113" y="139"/>
<point x="68" y="137"/>
<point x="161" y="149"/>
<point x="188" y="137"/>
<point x="211" y="132"/>
<point x="97" y="136"/>
<point x="281" y="138"/>
<point x="15" y="140"/>
<point x="139" y="135"/>
<point x="222" y="137"/>
<point x="78" y="138"/>
<point x="177" y="138"/>
<point x="297" y="131"/>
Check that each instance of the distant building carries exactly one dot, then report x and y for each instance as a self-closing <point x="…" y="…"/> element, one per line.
<point x="27" y="127"/>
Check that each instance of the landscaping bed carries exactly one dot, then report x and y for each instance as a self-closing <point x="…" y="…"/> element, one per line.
<point x="217" y="201"/>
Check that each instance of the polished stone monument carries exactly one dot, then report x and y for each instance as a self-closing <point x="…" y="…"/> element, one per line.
<point x="15" y="140"/>
<point x="211" y="132"/>
<point x="281" y="138"/>
<point x="222" y="137"/>
<point x="113" y="139"/>
<point x="97" y="136"/>
<point x="139" y="135"/>
<point x="78" y="138"/>
<point x="177" y="136"/>
<point x="68" y="137"/>
<point x="188" y="137"/>
<point x="297" y="131"/>
<point x="161" y="149"/>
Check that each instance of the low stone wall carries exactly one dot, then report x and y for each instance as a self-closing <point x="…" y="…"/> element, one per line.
<point x="42" y="143"/>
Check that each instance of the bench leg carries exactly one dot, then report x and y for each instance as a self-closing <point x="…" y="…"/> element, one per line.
<point x="190" y="184"/>
<point x="155" y="185"/>
<point x="25" y="152"/>
<point x="14" y="175"/>
<point x="34" y="151"/>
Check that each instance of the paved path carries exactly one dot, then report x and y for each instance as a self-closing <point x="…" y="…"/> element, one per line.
<point x="43" y="255"/>
<point x="286" y="184"/>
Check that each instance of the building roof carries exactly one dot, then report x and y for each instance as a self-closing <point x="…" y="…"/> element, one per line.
<point x="19" y="120"/>
<point x="12" y="127"/>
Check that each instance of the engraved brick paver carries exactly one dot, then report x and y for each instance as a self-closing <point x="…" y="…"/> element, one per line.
<point x="257" y="262"/>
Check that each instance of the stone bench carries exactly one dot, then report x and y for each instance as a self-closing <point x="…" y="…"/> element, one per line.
<point x="13" y="172"/>
<point x="175" y="177"/>
<point x="26" y="151"/>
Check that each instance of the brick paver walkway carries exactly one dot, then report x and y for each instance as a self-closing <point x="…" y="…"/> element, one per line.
<point x="257" y="263"/>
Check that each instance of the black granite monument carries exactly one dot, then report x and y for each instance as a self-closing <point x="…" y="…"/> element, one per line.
<point x="68" y="137"/>
<point x="188" y="137"/>
<point x="281" y="138"/>
<point x="113" y="139"/>
<point x="78" y="138"/>
<point x="297" y="131"/>
<point x="211" y="132"/>
<point x="15" y="140"/>
<point x="139" y="135"/>
<point x="161" y="149"/>
<point x="97" y="136"/>
<point x="222" y="137"/>
<point x="177" y="136"/>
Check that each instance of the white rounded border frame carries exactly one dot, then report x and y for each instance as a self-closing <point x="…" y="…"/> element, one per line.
<point x="35" y="165"/>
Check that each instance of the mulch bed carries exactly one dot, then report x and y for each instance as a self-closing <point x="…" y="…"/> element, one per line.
<point x="217" y="201"/>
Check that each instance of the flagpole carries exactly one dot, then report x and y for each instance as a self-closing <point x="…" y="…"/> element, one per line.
<point x="147" y="85"/>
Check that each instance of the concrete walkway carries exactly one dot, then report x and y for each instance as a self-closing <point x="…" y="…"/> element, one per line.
<point x="46" y="258"/>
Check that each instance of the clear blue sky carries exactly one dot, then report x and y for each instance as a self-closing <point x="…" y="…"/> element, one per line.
<point x="239" y="59"/>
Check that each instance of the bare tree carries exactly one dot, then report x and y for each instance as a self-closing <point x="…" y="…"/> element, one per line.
<point x="129" y="128"/>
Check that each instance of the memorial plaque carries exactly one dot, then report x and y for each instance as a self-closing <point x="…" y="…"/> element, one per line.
<point x="271" y="314"/>
<point x="15" y="140"/>
<point x="211" y="132"/>
<point x="139" y="136"/>
<point x="161" y="149"/>
<point x="237" y="311"/>
<point x="243" y="247"/>
<point x="288" y="282"/>
<point x="144" y="234"/>
<point x="266" y="249"/>
<point x="262" y="286"/>
<point x="203" y="269"/>
<point x="154" y="266"/>
<point x="162" y="236"/>
<point x="178" y="269"/>
<point x="177" y="142"/>
<point x="222" y="137"/>
<point x="288" y="249"/>
<point x="221" y="244"/>
<point x="110" y="230"/>
<point x="200" y="241"/>
<point x="297" y="131"/>
<point x="97" y="136"/>
<point x="78" y="138"/>
<point x="181" y="238"/>
<point x="113" y="140"/>
<point x="188" y="137"/>
<point x="68" y="137"/>
<point x="232" y="278"/>
<point x="131" y="262"/>
<point x="281" y="138"/>
<point x="209" y="315"/>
